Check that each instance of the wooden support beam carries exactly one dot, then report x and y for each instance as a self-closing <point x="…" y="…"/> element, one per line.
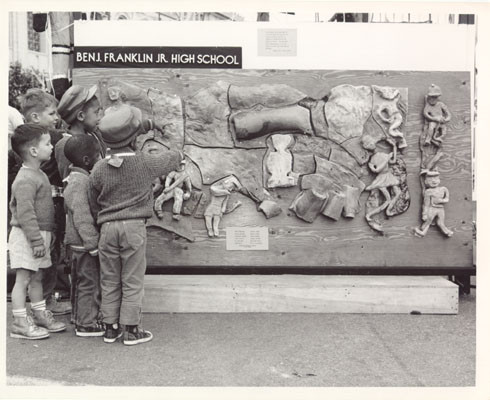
<point x="300" y="293"/>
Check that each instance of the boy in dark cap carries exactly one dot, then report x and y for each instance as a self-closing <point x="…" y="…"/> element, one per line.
<point x="121" y="197"/>
<point x="82" y="236"/>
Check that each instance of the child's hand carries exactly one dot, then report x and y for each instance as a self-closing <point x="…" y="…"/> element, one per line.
<point x="39" y="251"/>
<point x="424" y="217"/>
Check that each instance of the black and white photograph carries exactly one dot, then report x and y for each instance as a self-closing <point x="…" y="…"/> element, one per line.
<point x="274" y="200"/>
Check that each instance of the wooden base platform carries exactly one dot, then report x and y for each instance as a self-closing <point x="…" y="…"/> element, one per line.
<point x="300" y="294"/>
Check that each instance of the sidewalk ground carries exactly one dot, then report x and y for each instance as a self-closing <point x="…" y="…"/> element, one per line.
<point x="321" y="350"/>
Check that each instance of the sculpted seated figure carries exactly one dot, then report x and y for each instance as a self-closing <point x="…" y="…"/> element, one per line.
<point x="178" y="186"/>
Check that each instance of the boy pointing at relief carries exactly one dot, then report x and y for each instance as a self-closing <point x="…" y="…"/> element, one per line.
<point x="120" y="194"/>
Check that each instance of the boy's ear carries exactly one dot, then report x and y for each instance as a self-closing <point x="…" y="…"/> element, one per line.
<point x="33" y="116"/>
<point x="80" y="116"/>
<point x="86" y="160"/>
<point x="32" y="151"/>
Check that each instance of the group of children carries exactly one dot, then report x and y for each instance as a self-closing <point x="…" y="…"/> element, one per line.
<point x="105" y="188"/>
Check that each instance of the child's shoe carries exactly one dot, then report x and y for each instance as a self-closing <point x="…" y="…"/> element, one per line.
<point x="133" y="334"/>
<point x="58" y="307"/>
<point x="112" y="332"/>
<point x="45" y="319"/>
<point x="89" y="331"/>
<point x="25" y="328"/>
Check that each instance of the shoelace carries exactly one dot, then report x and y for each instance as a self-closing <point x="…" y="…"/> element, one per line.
<point x="49" y="315"/>
<point x="30" y="321"/>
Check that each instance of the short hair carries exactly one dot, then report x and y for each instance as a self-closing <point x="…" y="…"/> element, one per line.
<point x="36" y="100"/>
<point x="78" y="146"/>
<point x="26" y="135"/>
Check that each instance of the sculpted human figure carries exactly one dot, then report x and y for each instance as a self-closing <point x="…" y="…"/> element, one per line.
<point x="279" y="163"/>
<point x="380" y="165"/>
<point x="178" y="186"/>
<point x="437" y="115"/>
<point x="220" y="194"/>
<point x="435" y="197"/>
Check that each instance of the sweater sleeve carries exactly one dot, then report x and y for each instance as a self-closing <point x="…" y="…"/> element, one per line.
<point x="92" y="195"/>
<point x="82" y="217"/>
<point x="25" y="193"/>
<point x="164" y="163"/>
<point x="61" y="160"/>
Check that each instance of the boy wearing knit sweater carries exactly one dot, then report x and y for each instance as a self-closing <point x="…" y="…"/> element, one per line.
<point x="121" y="197"/>
<point x="82" y="236"/>
<point x="39" y="107"/>
<point x="30" y="238"/>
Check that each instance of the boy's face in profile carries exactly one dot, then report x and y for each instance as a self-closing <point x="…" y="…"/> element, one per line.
<point x="48" y="118"/>
<point x="92" y="115"/>
<point x="44" y="147"/>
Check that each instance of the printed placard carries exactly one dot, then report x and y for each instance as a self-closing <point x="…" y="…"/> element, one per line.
<point x="277" y="42"/>
<point x="247" y="238"/>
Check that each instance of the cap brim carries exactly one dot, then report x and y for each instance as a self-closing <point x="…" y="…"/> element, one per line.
<point x="91" y="92"/>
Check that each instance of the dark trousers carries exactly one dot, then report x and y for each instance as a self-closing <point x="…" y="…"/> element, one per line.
<point x="85" y="292"/>
<point x="52" y="278"/>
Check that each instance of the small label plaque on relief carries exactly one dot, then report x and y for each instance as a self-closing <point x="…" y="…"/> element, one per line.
<point x="247" y="238"/>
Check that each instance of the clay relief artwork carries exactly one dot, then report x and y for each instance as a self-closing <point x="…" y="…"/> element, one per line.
<point x="435" y="197"/>
<point x="272" y="142"/>
<point x="436" y="115"/>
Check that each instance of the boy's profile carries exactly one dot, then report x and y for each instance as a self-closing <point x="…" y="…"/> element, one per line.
<point x="39" y="108"/>
<point x="82" y="236"/>
<point x="32" y="223"/>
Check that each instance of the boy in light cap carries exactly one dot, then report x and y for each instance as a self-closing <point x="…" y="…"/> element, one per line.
<point x="120" y="194"/>
<point x="80" y="109"/>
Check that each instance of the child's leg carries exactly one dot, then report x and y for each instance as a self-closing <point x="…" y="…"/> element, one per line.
<point x="19" y="291"/>
<point x="87" y="290"/>
<point x="36" y="287"/>
<point x="110" y="272"/>
<point x="133" y="257"/>
<point x="42" y="317"/>
<point x="23" y="326"/>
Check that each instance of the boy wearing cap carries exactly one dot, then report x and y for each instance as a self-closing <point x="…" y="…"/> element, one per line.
<point x="82" y="236"/>
<point x="39" y="108"/>
<point x="121" y="197"/>
<point x="80" y="109"/>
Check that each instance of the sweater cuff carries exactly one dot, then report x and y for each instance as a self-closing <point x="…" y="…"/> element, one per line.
<point x="148" y="125"/>
<point x="37" y="242"/>
<point x="94" y="252"/>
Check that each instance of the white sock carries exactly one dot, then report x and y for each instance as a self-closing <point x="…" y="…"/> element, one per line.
<point x="21" y="312"/>
<point x="39" y="306"/>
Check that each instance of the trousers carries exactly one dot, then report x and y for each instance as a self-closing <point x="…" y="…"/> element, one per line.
<point x="85" y="272"/>
<point x="122" y="252"/>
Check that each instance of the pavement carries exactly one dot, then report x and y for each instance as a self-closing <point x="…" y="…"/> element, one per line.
<point x="261" y="350"/>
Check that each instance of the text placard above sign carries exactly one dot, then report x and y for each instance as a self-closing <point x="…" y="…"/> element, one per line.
<point x="158" y="57"/>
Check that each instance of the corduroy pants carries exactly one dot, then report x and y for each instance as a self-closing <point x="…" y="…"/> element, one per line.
<point x="122" y="253"/>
